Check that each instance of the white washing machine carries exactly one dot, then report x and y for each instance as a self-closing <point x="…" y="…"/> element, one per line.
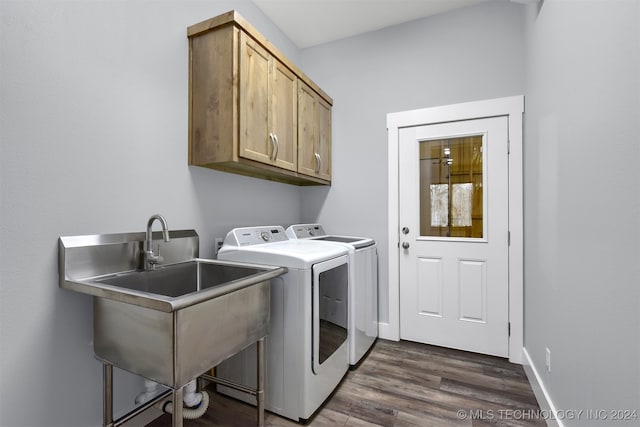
<point x="307" y="347"/>
<point x="363" y="296"/>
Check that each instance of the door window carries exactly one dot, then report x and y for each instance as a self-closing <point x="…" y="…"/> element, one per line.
<point x="451" y="187"/>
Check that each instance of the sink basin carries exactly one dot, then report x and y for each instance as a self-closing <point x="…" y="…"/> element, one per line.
<point x="180" y="279"/>
<point x="175" y="286"/>
<point x="174" y="323"/>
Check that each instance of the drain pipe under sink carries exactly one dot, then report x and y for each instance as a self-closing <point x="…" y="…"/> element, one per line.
<point x="152" y="390"/>
<point x="195" y="404"/>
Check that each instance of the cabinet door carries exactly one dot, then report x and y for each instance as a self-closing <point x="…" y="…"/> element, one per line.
<point x="283" y="116"/>
<point x="307" y="161"/>
<point x="323" y="147"/>
<point x="255" y="143"/>
<point x="314" y="134"/>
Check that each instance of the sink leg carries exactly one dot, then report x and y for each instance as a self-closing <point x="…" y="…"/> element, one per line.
<point x="107" y="394"/>
<point x="260" y="387"/>
<point x="177" y="407"/>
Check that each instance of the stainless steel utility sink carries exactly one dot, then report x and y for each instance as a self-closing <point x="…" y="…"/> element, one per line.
<point x="190" y="317"/>
<point x="173" y="323"/>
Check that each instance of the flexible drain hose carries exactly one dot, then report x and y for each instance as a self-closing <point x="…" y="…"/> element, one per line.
<point x="190" y="413"/>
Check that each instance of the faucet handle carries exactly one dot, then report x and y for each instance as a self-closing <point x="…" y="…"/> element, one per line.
<point x="154" y="257"/>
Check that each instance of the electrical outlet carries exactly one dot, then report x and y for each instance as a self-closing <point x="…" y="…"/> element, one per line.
<point x="218" y="245"/>
<point x="547" y="359"/>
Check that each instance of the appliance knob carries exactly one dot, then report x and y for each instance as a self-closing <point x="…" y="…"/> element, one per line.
<point x="265" y="236"/>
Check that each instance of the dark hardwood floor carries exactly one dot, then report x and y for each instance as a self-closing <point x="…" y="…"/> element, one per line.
<point x="405" y="384"/>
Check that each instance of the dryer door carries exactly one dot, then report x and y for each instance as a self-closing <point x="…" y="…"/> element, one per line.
<point x="330" y="289"/>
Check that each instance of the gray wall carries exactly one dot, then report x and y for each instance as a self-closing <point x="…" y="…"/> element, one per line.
<point x="466" y="55"/>
<point x="93" y="103"/>
<point x="582" y="203"/>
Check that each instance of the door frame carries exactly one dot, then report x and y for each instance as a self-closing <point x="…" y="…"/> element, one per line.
<point x="513" y="108"/>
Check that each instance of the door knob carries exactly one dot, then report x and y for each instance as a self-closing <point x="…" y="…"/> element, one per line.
<point x="405" y="245"/>
<point x="405" y="230"/>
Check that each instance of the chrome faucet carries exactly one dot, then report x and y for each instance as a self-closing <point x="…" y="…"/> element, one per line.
<point x="150" y="258"/>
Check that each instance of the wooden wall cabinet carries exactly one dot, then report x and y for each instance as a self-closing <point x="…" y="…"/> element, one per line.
<point x="251" y="111"/>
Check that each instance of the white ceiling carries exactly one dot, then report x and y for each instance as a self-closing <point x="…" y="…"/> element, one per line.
<point x="313" y="22"/>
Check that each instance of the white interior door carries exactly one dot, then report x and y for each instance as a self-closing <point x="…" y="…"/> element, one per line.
<point x="454" y="222"/>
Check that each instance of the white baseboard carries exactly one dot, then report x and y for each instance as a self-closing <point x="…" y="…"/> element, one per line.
<point x="386" y="333"/>
<point x="543" y="398"/>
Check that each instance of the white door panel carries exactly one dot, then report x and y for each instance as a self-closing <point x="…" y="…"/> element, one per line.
<point x="430" y="286"/>
<point x="453" y="192"/>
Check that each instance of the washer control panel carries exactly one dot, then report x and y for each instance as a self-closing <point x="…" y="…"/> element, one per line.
<point x="255" y="235"/>
<point x="303" y="231"/>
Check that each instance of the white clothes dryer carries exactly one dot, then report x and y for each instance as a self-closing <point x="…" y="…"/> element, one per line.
<point x="306" y="350"/>
<point x="363" y="296"/>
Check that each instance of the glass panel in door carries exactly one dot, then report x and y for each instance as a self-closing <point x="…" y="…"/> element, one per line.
<point x="451" y="187"/>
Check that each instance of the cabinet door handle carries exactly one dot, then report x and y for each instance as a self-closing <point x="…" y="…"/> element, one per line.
<point x="277" y="147"/>
<point x="318" y="162"/>
<point x="273" y="146"/>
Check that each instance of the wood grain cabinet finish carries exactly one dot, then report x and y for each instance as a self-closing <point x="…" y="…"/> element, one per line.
<point x="247" y="108"/>
<point x="268" y="107"/>
<point x="314" y="134"/>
